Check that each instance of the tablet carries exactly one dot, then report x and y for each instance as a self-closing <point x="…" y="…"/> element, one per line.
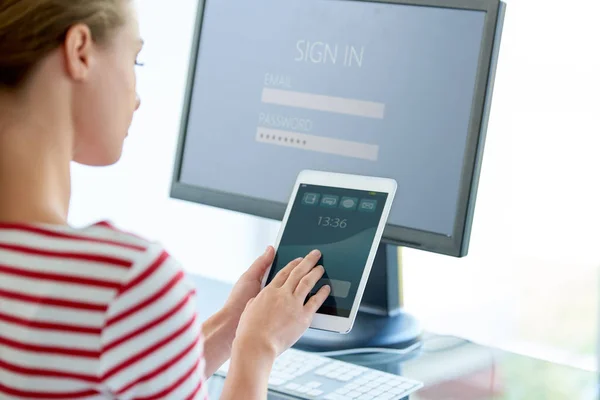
<point x="343" y="216"/>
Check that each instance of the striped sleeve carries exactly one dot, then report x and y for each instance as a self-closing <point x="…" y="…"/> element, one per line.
<point x="151" y="340"/>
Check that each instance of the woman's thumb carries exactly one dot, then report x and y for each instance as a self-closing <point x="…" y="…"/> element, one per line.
<point x="249" y="302"/>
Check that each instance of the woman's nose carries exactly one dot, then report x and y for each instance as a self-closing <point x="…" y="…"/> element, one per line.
<point x="138" y="102"/>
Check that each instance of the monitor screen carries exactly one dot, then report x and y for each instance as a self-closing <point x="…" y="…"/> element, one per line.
<point x="370" y="88"/>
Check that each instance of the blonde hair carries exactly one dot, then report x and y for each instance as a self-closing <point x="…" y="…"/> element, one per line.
<point x="31" y="29"/>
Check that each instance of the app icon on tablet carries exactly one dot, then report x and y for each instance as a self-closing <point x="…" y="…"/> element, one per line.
<point x="310" y="199"/>
<point x="329" y="201"/>
<point x="367" y="205"/>
<point x="349" y="203"/>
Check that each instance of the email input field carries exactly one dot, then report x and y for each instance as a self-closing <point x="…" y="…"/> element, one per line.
<point x="318" y="102"/>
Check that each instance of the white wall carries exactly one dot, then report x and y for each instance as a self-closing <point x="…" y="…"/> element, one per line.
<point x="535" y="250"/>
<point x="538" y="217"/>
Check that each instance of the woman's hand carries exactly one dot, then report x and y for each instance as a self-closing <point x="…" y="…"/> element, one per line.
<point x="248" y="286"/>
<point x="272" y="322"/>
<point x="278" y="316"/>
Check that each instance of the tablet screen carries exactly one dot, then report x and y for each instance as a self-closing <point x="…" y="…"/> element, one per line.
<point x="342" y="224"/>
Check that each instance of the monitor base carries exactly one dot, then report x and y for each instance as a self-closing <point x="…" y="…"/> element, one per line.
<point x="370" y="330"/>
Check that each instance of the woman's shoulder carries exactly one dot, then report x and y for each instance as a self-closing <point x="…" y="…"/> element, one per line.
<point x="143" y="253"/>
<point x="98" y="243"/>
<point x="103" y="232"/>
<point x="111" y="234"/>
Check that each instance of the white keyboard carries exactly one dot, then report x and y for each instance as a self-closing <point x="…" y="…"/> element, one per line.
<point x="308" y="376"/>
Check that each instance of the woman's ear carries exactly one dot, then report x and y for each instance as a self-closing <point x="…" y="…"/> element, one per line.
<point x="78" y="50"/>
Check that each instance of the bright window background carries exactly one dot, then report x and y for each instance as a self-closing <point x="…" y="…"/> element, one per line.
<point x="530" y="283"/>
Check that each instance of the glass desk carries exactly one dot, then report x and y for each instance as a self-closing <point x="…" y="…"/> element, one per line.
<point x="451" y="368"/>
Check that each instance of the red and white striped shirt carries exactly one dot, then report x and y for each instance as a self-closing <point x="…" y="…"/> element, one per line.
<point x="95" y="314"/>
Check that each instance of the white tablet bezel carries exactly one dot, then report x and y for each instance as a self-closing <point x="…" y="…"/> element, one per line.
<point x="357" y="182"/>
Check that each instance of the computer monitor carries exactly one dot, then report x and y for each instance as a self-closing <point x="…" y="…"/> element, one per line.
<point x="392" y="88"/>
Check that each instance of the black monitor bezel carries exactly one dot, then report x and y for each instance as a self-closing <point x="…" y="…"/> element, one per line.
<point x="455" y="245"/>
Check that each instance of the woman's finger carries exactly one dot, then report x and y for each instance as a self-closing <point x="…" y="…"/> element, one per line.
<point x="315" y="302"/>
<point x="259" y="267"/>
<point x="302" y="270"/>
<point x="283" y="275"/>
<point x="307" y="284"/>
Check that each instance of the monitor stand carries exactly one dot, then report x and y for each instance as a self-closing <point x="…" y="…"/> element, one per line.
<point x="380" y="322"/>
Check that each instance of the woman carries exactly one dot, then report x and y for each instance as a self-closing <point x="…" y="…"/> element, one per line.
<point x="96" y="313"/>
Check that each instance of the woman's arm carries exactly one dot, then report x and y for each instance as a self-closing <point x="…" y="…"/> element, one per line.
<point x="248" y="375"/>
<point x="218" y="332"/>
<point x="271" y="323"/>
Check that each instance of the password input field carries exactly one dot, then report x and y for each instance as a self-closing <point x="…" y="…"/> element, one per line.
<point x="318" y="102"/>
<point x="319" y="144"/>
